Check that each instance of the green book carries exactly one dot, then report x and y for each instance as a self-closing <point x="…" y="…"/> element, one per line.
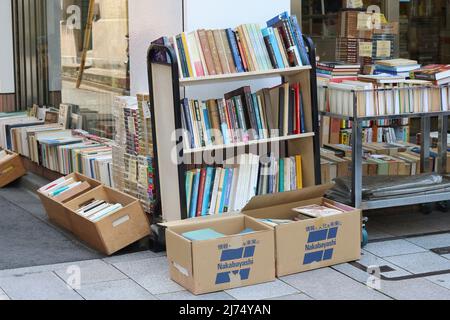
<point x="281" y="173"/>
<point x="189" y="181"/>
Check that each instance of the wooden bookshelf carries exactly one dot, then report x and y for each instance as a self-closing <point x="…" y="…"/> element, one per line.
<point x="185" y="82"/>
<point x="166" y="86"/>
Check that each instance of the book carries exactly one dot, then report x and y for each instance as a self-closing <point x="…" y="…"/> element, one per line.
<point x="433" y="72"/>
<point x="203" y="234"/>
<point x="316" y="211"/>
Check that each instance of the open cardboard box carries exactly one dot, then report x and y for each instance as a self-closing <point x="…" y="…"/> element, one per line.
<point x="233" y="261"/>
<point x="113" y="232"/>
<point x="55" y="206"/>
<point x="311" y="243"/>
<point x="11" y="169"/>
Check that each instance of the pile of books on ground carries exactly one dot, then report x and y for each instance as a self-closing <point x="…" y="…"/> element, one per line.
<point x="337" y="69"/>
<point x="244" y="116"/>
<point x="133" y="149"/>
<point x="396" y="67"/>
<point x="246" y="48"/>
<point x="211" y="191"/>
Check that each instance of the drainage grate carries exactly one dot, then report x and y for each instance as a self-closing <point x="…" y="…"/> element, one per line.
<point x="386" y="269"/>
<point x="441" y="251"/>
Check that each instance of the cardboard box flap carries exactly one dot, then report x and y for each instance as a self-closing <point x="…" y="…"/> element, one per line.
<point x="277" y="199"/>
<point x="177" y="223"/>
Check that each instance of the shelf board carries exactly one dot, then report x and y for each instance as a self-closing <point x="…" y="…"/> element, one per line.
<point x="250" y="143"/>
<point x="242" y="76"/>
<point x="386" y="117"/>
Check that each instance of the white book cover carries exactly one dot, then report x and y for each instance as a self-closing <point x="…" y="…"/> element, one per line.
<point x="287" y="174"/>
<point x="177" y="53"/>
<point x="233" y="192"/>
<point x="194" y="53"/>
<point x="254" y="177"/>
<point x="221" y="191"/>
<point x="202" y="55"/>
<point x="215" y="191"/>
<point x="242" y="183"/>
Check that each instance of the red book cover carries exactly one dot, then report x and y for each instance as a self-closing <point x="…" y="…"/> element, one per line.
<point x="201" y="191"/>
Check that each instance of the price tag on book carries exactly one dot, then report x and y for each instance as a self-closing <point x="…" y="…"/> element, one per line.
<point x="364" y="21"/>
<point x="365" y="49"/>
<point x="383" y="49"/>
<point x="353" y="4"/>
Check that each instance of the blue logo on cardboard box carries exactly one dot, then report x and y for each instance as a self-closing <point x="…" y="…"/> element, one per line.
<point x="235" y="264"/>
<point x="321" y="243"/>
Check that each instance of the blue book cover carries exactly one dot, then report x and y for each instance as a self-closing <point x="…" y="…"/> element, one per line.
<point x="302" y="113"/>
<point x="268" y="32"/>
<point x="228" y="190"/>
<point x="203" y="234"/>
<point x="224" y="189"/>
<point x="194" y="196"/>
<point x="207" y="193"/>
<point x="278" y="19"/>
<point x="257" y="115"/>
<point x="207" y="124"/>
<point x="182" y="57"/>
<point x="235" y="50"/>
<point x="298" y="36"/>
<point x="188" y="121"/>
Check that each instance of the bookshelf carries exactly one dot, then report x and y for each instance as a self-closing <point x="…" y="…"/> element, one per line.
<point x="165" y="95"/>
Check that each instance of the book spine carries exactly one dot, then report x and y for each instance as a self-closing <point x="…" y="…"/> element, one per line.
<point x="215" y="122"/>
<point x="229" y="184"/>
<point x="189" y="182"/>
<point x="262" y="46"/>
<point x="252" y="116"/>
<point x="182" y="56"/>
<point x="253" y="50"/>
<point x="228" y="53"/>
<point x="214" y="52"/>
<point x="222" y="191"/>
<point x="201" y="133"/>
<point x="221" y="52"/>
<point x="270" y="49"/>
<point x="207" y="124"/>
<point x="187" y="55"/>
<point x="223" y="120"/>
<point x="201" y="191"/>
<point x="195" y="193"/>
<point x="281" y="176"/>
<point x="207" y="52"/>
<point x="246" y="48"/>
<point x="204" y="66"/>
<point x="234" y="126"/>
<point x="188" y="121"/>
<point x="208" y="188"/>
<point x="235" y="50"/>
<point x="245" y="64"/>
<point x="302" y="111"/>
<point x="301" y="43"/>
<point x="241" y="118"/>
<point x="257" y="115"/>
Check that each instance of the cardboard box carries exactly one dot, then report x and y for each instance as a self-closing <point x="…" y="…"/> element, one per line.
<point x="54" y="207"/>
<point x="311" y="243"/>
<point x="213" y="265"/>
<point x="11" y="169"/>
<point x="113" y="232"/>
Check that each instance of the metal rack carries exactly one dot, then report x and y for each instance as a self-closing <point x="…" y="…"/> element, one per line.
<point x="357" y="156"/>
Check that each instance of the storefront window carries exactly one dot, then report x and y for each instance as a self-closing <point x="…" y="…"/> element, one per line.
<point x="94" y="60"/>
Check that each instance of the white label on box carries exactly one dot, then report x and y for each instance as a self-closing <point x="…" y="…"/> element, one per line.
<point x="182" y="270"/>
<point x="120" y="221"/>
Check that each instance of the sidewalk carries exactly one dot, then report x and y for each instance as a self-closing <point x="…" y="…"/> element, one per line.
<point x="144" y="276"/>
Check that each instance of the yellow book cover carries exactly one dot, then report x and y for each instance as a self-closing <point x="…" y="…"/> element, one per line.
<point x="188" y="56"/>
<point x="299" y="168"/>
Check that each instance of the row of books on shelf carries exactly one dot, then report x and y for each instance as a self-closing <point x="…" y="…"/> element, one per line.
<point x="246" y="48"/>
<point x="379" y="96"/>
<point x="212" y="191"/>
<point x="56" y="148"/>
<point x="244" y="116"/>
<point x="380" y="135"/>
<point x="380" y="159"/>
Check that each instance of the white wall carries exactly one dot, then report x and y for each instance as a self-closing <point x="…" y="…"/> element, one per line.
<point x="6" y="51"/>
<point x="149" y="20"/>
<point x="206" y="14"/>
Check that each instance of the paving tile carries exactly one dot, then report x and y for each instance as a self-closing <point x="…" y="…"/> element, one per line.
<point x="446" y="256"/>
<point x="38" y="286"/>
<point x="442" y="280"/>
<point x="377" y="234"/>
<point x="40" y="269"/>
<point x="414" y="289"/>
<point x="421" y="262"/>
<point x="410" y="228"/>
<point x="3" y="295"/>
<point x="297" y="296"/>
<point x="262" y="291"/>
<point x="92" y="272"/>
<point x="329" y="284"/>
<point x="115" y="290"/>
<point x="152" y="274"/>
<point x="134" y="256"/>
<point x="186" y="295"/>
<point x="392" y="248"/>
<point x="432" y="241"/>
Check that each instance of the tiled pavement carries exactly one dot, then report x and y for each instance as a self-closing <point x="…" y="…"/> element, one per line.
<point x="406" y="262"/>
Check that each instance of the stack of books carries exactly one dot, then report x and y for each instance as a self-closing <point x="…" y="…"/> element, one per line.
<point x="133" y="149"/>
<point x="211" y="191"/>
<point x="439" y="74"/>
<point x="337" y="69"/>
<point x="247" y="48"/>
<point x="64" y="189"/>
<point x="396" y="67"/>
<point x="97" y="210"/>
<point x="243" y="116"/>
